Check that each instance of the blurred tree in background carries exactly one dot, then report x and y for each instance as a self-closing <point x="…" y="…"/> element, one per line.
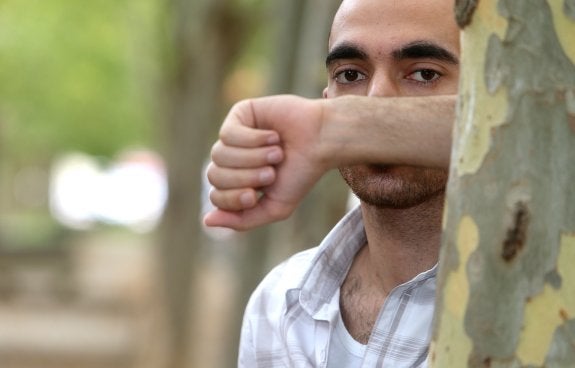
<point x="206" y="37"/>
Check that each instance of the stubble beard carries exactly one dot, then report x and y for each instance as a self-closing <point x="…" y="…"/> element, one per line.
<point x="394" y="187"/>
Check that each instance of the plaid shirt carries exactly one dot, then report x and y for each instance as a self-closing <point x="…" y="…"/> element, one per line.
<point x="290" y="317"/>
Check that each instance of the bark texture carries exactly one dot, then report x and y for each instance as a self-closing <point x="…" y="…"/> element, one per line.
<point x="506" y="286"/>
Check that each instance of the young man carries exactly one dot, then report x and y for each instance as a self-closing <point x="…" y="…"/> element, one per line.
<point x="365" y="296"/>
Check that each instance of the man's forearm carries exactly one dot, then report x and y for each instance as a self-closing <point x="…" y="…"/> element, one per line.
<point x="403" y="130"/>
<point x="311" y="137"/>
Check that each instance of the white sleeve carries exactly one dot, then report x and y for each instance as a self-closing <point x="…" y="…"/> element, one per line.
<point x="247" y="354"/>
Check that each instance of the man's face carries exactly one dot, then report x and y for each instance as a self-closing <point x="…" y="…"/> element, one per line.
<point x="391" y="48"/>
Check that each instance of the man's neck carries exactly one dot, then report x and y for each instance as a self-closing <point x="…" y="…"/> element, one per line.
<point x="401" y="243"/>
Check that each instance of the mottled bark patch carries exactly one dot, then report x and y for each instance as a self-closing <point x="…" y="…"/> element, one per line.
<point x="562" y="350"/>
<point x="553" y="278"/>
<point x="569" y="8"/>
<point x="464" y="10"/>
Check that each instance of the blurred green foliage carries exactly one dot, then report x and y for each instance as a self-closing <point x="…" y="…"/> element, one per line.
<point x="76" y="75"/>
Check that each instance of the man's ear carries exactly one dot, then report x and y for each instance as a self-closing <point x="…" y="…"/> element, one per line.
<point x="324" y="93"/>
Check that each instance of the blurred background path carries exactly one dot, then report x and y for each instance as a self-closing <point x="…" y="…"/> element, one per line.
<point x="85" y="304"/>
<point x="93" y="304"/>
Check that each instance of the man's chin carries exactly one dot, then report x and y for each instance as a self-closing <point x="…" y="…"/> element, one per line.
<point x="377" y="172"/>
<point x="393" y="186"/>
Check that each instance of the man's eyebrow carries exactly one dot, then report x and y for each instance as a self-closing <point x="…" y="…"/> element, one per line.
<point x="345" y="51"/>
<point x="425" y="50"/>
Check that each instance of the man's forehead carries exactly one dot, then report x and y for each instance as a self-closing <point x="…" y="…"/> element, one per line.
<point x="386" y="19"/>
<point x="386" y="10"/>
<point x="425" y="5"/>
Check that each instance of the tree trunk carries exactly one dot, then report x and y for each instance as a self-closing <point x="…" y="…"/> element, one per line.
<point x="506" y="288"/>
<point x="206" y="36"/>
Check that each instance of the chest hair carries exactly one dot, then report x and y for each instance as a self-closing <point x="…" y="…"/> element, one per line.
<point x="359" y="307"/>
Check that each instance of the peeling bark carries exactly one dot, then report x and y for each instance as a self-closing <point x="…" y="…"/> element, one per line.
<point x="517" y="233"/>
<point x="464" y="10"/>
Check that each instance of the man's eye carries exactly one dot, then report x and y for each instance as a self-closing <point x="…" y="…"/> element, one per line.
<point x="349" y="76"/>
<point x="425" y="76"/>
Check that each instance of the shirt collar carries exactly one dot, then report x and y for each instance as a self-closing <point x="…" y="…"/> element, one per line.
<point x="331" y="264"/>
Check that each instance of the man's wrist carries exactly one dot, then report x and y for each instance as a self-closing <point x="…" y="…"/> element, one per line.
<point x="329" y="141"/>
<point x="338" y="143"/>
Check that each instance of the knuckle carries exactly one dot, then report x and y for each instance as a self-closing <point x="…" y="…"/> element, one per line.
<point x="219" y="199"/>
<point x="212" y="194"/>
<point x="216" y="150"/>
<point x="225" y="199"/>
<point x="224" y="134"/>
<point x="283" y="215"/>
<point x="211" y="173"/>
<point x="214" y="198"/>
<point x="279" y="213"/>
<point x="243" y="105"/>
